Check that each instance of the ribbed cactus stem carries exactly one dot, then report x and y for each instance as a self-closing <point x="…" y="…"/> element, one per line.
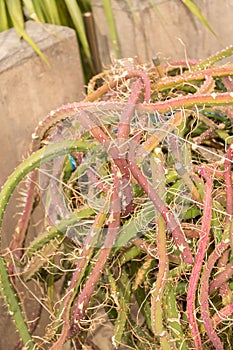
<point x="34" y="161"/>
<point x="195" y="275"/>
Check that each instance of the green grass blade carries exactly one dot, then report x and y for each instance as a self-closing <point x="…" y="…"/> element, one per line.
<point x="16" y="15"/>
<point x="29" y="6"/>
<point x="52" y="11"/>
<point x="32" y="11"/>
<point x="85" y="5"/>
<point x="39" y="10"/>
<point x="64" y="14"/>
<point x="3" y="17"/>
<point x="112" y="26"/>
<point x="77" y="18"/>
<point x="194" y="9"/>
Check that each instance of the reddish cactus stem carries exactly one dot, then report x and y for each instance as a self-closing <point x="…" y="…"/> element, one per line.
<point x="126" y="116"/>
<point x="69" y="110"/>
<point x="194" y="278"/>
<point x="98" y="184"/>
<point x="229" y="191"/>
<point x="207" y="86"/>
<point x="224" y="289"/>
<point x="123" y="145"/>
<point x="205" y="135"/>
<point x="228" y="182"/>
<point x="115" y="82"/>
<point x="171" y="222"/>
<point x="18" y="238"/>
<point x="181" y="63"/>
<point x="191" y="232"/>
<point x="22" y="225"/>
<point x="228" y="83"/>
<point x="222" y="277"/>
<point x="76" y="277"/>
<point x="222" y="315"/>
<point x="209" y="170"/>
<point x="146" y="83"/>
<point x="229" y="112"/>
<point x="70" y="295"/>
<point x="51" y="119"/>
<point x="113" y="228"/>
<point x="205" y="292"/>
<point x="189" y="101"/>
<point x="98" y="133"/>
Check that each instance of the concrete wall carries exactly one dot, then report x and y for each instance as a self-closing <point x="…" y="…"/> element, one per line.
<point x="29" y="89"/>
<point x="168" y="30"/>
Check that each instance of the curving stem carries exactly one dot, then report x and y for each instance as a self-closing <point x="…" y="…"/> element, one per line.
<point x="199" y="258"/>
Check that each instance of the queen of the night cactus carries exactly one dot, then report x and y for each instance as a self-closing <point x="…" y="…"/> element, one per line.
<point x="136" y="185"/>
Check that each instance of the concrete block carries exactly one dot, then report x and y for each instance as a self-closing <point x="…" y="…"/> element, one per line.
<point x="29" y="89"/>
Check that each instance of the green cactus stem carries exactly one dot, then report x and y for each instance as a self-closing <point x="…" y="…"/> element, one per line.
<point x="226" y="52"/>
<point x="34" y="161"/>
<point x="15" y="311"/>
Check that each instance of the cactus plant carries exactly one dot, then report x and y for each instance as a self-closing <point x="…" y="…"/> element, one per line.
<point x="136" y="183"/>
